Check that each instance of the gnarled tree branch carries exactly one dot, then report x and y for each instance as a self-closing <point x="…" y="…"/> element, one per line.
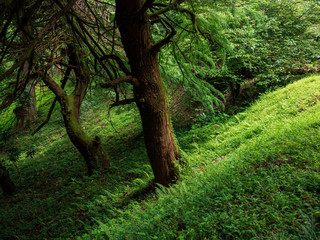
<point x="122" y="102"/>
<point x="124" y="79"/>
<point x="169" y="7"/>
<point x="63" y="84"/>
<point x="54" y="87"/>
<point x="34" y="43"/>
<point x="119" y="61"/>
<point x="145" y="6"/>
<point x="156" y="48"/>
<point x="192" y="16"/>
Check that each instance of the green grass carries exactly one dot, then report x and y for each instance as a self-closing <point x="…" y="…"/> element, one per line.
<point x="55" y="198"/>
<point x="254" y="175"/>
<point x="257" y="177"/>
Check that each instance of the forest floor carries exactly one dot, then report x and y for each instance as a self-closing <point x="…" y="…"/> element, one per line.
<point x="253" y="175"/>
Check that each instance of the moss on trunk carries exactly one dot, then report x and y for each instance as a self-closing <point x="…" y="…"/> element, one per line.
<point x="149" y="92"/>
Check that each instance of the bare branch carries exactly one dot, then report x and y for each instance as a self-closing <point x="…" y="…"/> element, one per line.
<point x="122" y="102"/>
<point x="119" y="61"/>
<point x="83" y="28"/>
<point x="34" y="43"/>
<point x="109" y="4"/>
<point x="63" y="84"/>
<point x="178" y="25"/>
<point x="54" y="87"/>
<point x="77" y="31"/>
<point x="145" y="6"/>
<point x="192" y="16"/>
<point x="169" y="7"/>
<point x="156" y="48"/>
<point x="47" y="119"/>
<point x="7" y="101"/>
<point x="67" y="65"/>
<point x="125" y="79"/>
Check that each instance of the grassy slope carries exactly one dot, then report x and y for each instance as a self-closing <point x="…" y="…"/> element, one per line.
<point x="55" y="198"/>
<point x="255" y="176"/>
<point x="259" y="177"/>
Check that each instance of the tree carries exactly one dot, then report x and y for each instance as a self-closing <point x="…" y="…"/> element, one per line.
<point x="149" y="90"/>
<point x="33" y="49"/>
<point x="26" y="111"/>
<point x="90" y="148"/>
<point x="134" y="20"/>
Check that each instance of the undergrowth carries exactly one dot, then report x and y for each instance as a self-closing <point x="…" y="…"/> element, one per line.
<point x="254" y="175"/>
<point x="257" y="177"/>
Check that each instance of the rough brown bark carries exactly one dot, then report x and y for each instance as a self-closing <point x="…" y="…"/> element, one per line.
<point x="149" y="91"/>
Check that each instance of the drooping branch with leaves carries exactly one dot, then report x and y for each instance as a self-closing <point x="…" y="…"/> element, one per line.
<point x="53" y="48"/>
<point x="122" y="41"/>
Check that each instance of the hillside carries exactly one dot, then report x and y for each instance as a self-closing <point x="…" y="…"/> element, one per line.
<point x="254" y="175"/>
<point x="258" y="177"/>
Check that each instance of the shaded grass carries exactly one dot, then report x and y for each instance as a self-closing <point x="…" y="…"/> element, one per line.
<point x="254" y="175"/>
<point x="55" y="198"/>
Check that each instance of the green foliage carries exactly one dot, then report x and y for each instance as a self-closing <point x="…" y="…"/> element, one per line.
<point x="254" y="175"/>
<point x="189" y="60"/>
<point x="264" y="184"/>
<point x="230" y="43"/>
<point x="54" y="198"/>
<point x="271" y="40"/>
<point x="10" y="152"/>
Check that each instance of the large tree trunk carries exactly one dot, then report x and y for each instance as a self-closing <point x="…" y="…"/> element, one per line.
<point x="149" y="91"/>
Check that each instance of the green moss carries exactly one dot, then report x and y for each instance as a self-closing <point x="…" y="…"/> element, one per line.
<point x="73" y="122"/>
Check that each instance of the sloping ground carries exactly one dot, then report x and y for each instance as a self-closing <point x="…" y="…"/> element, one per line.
<point x="258" y="177"/>
<point x="55" y="198"/>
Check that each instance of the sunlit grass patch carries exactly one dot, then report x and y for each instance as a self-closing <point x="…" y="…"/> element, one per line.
<point x="266" y="184"/>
